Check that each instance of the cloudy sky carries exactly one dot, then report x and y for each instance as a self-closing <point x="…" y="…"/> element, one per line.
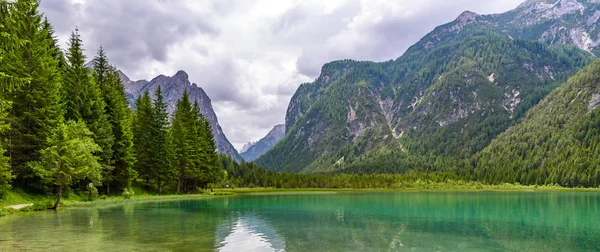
<point x="250" y="56"/>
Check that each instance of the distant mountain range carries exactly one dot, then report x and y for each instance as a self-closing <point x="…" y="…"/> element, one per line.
<point x="444" y="100"/>
<point x="252" y="151"/>
<point x="173" y="88"/>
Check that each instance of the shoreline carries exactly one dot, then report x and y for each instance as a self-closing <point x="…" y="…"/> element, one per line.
<point x="5" y="210"/>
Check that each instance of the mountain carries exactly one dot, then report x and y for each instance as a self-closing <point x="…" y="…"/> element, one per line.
<point x="259" y="148"/>
<point x="558" y="141"/>
<point x="442" y="101"/>
<point x="173" y="88"/>
<point x="547" y="21"/>
<point x="246" y="147"/>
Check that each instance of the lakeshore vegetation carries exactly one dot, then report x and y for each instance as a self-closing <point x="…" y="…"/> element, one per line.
<point x="67" y="130"/>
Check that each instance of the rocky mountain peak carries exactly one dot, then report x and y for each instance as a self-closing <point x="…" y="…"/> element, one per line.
<point x="181" y="75"/>
<point x="467" y="16"/>
<point x="252" y="151"/>
<point x="247" y="146"/>
<point x="173" y="88"/>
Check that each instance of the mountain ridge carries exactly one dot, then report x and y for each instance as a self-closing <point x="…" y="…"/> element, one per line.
<point x="260" y="147"/>
<point x="173" y="87"/>
<point x="446" y="98"/>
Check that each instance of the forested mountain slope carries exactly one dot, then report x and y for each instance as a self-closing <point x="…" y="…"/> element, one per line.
<point x="444" y="100"/>
<point x="557" y="142"/>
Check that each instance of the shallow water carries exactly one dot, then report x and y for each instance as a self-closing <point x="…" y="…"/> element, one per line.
<point x="384" y="221"/>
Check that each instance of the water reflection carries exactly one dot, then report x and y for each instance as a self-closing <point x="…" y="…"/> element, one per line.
<point x="250" y="233"/>
<point x="446" y="221"/>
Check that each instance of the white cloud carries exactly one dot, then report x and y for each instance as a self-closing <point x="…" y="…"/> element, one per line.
<point x="250" y="56"/>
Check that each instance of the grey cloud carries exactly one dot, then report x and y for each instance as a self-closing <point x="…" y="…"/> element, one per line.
<point x="392" y="35"/>
<point x="145" y="36"/>
<point x="130" y="31"/>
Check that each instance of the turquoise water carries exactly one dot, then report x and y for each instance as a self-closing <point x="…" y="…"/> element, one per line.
<point x="385" y="221"/>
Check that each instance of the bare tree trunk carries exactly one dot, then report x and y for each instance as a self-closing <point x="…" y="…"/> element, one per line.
<point x="108" y="188"/>
<point x="179" y="186"/>
<point x="58" y="196"/>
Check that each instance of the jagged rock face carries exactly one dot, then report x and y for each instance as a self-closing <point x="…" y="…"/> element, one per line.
<point x="255" y="150"/>
<point x="172" y="88"/>
<point x="246" y="147"/>
<point x="308" y="93"/>
<point x="548" y="21"/>
<point x="468" y="80"/>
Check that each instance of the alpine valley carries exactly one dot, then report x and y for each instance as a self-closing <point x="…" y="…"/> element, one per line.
<point x="465" y="100"/>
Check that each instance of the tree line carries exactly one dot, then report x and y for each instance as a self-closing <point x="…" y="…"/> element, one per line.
<point x="64" y="126"/>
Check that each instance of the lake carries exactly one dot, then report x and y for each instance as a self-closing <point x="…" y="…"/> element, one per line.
<point x="361" y="221"/>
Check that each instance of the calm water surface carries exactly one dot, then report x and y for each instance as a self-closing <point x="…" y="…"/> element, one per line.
<point x="399" y="221"/>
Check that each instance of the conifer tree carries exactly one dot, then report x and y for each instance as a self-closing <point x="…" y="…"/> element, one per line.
<point x="113" y="93"/>
<point x="214" y="169"/>
<point x="69" y="158"/>
<point x="163" y="171"/>
<point x="142" y="136"/>
<point x="8" y="44"/>
<point x="84" y="101"/>
<point x="37" y="107"/>
<point x="182" y="141"/>
<point x="200" y="145"/>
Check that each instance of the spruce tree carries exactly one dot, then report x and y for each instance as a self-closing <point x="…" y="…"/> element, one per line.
<point x="84" y="101"/>
<point x="9" y="43"/>
<point x="182" y="141"/>
<point x="200" y="145"/>
<point x="214" y="168"/>
<point x="37" y="107"/>
<point x="163" y="171"/>
<point x="113" y="93"/>
<point x="142" y="136"/>
<point x="69" y="158"/>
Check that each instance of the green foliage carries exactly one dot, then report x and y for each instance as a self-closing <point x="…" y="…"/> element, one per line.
<point x="143" y="120"/>
<point x="37" y="105"/>
<point x="162" y="149"/>
<point x="84" y="101"/>
<point x="194" y="148"/>
<point x="128" y="192"/>
<point x="557" y="142"/>
<point x="428" y="110"/>
<point x="69" y="158"/>
<point x="152" y="140"/>
<point x="92" y="192"/>
<point x="8" y="43"/>
<point x="119" y="117"/>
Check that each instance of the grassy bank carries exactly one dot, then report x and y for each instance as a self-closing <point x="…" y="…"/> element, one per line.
<point x="43" y="202"/>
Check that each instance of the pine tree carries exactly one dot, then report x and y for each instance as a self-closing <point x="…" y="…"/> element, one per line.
<point x="113" y="93"/>
<point x="163" y="170"/>
<point x="84" y="101"/>
<point x="37" y="107"/>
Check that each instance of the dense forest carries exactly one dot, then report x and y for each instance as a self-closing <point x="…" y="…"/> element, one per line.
<point x="558" y="141"/>
<point x="66" y="127"/>
<point x="428" y="110"/>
